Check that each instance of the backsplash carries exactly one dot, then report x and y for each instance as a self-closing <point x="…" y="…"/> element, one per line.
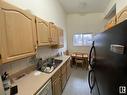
<point x="16" y="66"/>
<point x="45" y="52"/>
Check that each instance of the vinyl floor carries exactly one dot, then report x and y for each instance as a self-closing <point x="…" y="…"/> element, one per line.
<point x="77" y="83"/>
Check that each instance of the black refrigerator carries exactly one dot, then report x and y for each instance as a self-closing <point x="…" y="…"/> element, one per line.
<point x="108" y="62"/>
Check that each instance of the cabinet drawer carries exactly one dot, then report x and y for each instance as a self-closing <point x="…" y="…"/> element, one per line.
<point x="56" y="75"/>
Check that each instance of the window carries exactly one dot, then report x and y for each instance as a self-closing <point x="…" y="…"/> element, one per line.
<point x="82" y="39"/>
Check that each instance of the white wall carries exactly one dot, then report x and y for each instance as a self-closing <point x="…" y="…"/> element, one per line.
<point x="120" y="4"/>
<point x="83" y="23"/>
<point x="49" y="10"/>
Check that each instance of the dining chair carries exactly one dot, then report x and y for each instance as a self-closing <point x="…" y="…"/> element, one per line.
<point x="79" y="60"/>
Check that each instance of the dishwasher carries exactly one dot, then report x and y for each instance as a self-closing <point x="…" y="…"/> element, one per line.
<point x="46" y="89"/>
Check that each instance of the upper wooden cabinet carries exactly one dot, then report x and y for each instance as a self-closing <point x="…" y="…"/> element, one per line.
<point x="61" y="37"/>
<point x="42" y="32"/>
<point x="17" y="29"/>
<point x="111" y="23"/>
<point x="121" y="16"/>
<point x="53" y="34"/>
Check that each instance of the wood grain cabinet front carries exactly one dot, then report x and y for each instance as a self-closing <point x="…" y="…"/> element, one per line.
<point x="53" y="34"/>
<point x="56" y="83"/>
<point x="111" y="23"/>
<point x="68" y="69"/>
<point x="60" y="38"/>
<point x="17" y="29"/>
<point x="122" y="15"/>
<point x="42" y="32"/>
<point x="59" y="79"/>
<point x="64" y="75"/>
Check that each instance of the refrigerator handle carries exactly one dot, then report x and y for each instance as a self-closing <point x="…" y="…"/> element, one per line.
<point x="89" y="79"/>
<point x="90" y="55"/>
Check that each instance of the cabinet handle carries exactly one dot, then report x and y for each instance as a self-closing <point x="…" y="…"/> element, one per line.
<point x="0" y="56"/>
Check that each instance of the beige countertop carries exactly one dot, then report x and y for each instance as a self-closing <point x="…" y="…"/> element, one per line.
<point x="31" y="83"/>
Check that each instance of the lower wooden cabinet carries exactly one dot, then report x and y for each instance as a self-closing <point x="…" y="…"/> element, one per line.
<point x="56" y="85"/>
<point x="63" y="80"/>
<point x="68" y="69"/>
<point x="64" y="75"/>
<point x="59" y="79"/>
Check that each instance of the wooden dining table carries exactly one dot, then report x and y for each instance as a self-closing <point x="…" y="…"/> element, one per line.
<point x="79" y="55"/>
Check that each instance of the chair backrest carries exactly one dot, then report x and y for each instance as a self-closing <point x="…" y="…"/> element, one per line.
<point x="78" y="60"/>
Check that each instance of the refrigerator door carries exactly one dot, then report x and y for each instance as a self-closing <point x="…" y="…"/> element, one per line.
<point x="95" y="90"/>
<point x="111" y="65"/>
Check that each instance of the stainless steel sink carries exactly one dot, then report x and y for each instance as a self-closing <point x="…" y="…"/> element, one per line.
<point x="49" y="66"/>
<point x="57" y="62"/>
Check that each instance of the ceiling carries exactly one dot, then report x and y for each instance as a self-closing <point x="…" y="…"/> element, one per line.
<point x="84" y="6"/>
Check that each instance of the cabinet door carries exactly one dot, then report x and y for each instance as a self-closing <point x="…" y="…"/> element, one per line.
<point x="111" y="23"/>
<point x="57" y="87"/>
<point x="17" y="29"/>
<point x="61" y="37"/>
<point x="64" y="75"/>
<point x="64" y="80"/>
<point x="122" y="15"/>
<point x="68" y="69"/>
<point x="42" y="32"/>
<point x="53" y="34"/>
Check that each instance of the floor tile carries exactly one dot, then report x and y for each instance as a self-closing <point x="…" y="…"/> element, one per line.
<point x="77" y="83"/>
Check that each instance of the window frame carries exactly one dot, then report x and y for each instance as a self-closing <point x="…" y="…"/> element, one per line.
<point x="87" y="44"/>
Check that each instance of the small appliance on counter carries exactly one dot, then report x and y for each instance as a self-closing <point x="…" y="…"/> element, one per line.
<point x="5" y="85"/>
<point x="2" y="92"/>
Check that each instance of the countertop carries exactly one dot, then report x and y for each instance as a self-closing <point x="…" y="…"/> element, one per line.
<point x="31" y="83"/>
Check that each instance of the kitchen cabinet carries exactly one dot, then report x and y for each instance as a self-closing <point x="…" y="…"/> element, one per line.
<point x="17" y="29"/>
<point x="64" y="75"/>
<point x="61" y="37"/>
<point x="68" y="69"/>
<point x="111" y="23"/>
<point x="59" y="79"/>
<point x="42" y="32"/>
<point x="53" y="34"/>
<point x="121" y="16"/>
<point x="46" y="89"/>
<point x="56" y="83"/>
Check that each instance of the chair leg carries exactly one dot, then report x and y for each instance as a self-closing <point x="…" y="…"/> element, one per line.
<point x="82" y="66"/>
<point x="76" y="65"/>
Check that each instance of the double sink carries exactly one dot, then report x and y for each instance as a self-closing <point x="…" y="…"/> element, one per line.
<point x="49" y="65"/>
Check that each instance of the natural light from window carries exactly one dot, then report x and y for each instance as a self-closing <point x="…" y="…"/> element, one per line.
<point x="82" y="39"/>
